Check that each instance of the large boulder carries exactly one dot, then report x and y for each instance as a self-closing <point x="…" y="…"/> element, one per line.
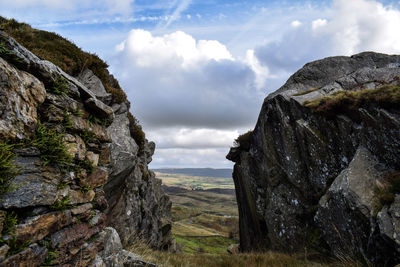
<point x="296" y="156"/>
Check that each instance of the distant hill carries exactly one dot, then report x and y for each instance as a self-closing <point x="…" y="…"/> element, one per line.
<point x="204" y="172"/>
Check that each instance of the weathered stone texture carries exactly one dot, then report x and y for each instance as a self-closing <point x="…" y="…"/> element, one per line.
<point x="61" y="208"/>
<point x="298" y="158"/>
<point x="20" y="95"/>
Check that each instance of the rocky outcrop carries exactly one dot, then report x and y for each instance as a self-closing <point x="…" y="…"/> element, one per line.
<point x="313" y="170"/>
<point x="73" y="168"/>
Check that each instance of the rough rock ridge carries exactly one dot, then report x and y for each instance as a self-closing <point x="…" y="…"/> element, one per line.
<point x="310" y="178"/>
<point x="57" y="209"/>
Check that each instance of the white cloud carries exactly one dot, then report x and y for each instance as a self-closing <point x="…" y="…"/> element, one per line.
<point x="175" y="80"/>
<point x="191" y="95"/>
<point x="348" y="27"/>
<point x="193" y="138"/>
<point x="178" y="48"/>
<point x="180" y="157"/>
<point x="318" y="23"/>
<point x="296" y="23"/>
<point x="262" y="72"/>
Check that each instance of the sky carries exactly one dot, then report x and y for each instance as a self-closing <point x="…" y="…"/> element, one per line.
<point x="197" y="71"/>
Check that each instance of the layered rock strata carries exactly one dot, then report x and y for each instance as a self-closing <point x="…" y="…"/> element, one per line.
<point x="311" y="172"/>
<point x="55" y="211"/>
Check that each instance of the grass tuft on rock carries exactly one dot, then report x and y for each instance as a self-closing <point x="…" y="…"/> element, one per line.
<point x="60" y="86"/>
<point x="136" y="131"/>
<point x="8" y="170"/>
<point x="386" y="96"/>
<point x="61" y="204"/>
<point x="9" y="223"/>
<point x="51" y="146"/>
<point x="243" y="141"/>
<point x="386" y="191"/>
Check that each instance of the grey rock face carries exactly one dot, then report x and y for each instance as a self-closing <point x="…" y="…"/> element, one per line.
<point x="71" y="205"/>
<point x="297" y="156"/>
<point x="20" y="95"/>
<point x="346" y="213"/>
<point x="47" y="72"/>
<point x="33" y="188"/>
<point x="94" y="84"/>
<point x="114" y="256"/>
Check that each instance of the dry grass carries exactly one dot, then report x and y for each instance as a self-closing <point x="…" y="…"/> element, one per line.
<point x="63" y="53"/>
<point x="168" y="259"/>
<point x="346" y="102"/>
<point x="386" y="190"/>
<point x="243" y="141"/>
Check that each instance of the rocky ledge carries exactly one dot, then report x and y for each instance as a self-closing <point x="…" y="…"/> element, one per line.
<point x="320" y="170"/>
<point x="71" y="165"/>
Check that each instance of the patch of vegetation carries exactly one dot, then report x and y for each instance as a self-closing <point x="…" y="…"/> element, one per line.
<point x="63" y="53"/>
<point x="306" y="92"/>
<point x="8" y="170"/>
<point x="386" y="192"/>
<point x="95" y="120"/>
<point x="50" y="258"/>
<point x="84" y="164"/>
<point x="77" y="112"/>
<point x="62" y="185"/>
<point x="136" y="131"/>
<point x="211" y="244"/>
<point x="243" y="141"/>
<point x="51" y="146"/>
<point x="204" y="259"/>
<point x="61" y="204"/>
<point x="88" y="136"/>
<point x="9" y="223"/>
<point x="85" y="189"/>
<point x="60" y="86"/>
<point x="346" y="102"/>
<point x="8" y="55"/>
<point x="17" y="246"/>
<point x="51" y="253"/>
<point x="67" y="122"/>
<point x="117" y="93"/>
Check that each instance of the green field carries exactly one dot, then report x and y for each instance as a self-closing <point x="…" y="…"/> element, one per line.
<point x="195" y="182"/>
<point x="205" y="219"/>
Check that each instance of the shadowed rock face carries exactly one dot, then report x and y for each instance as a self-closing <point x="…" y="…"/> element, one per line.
<point x="64" y="211"/>
<point x="308" y="179"/>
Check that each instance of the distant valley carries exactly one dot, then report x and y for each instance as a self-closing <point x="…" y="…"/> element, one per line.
<point x="204" y="172"/>
<point x="204" y="209"/>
